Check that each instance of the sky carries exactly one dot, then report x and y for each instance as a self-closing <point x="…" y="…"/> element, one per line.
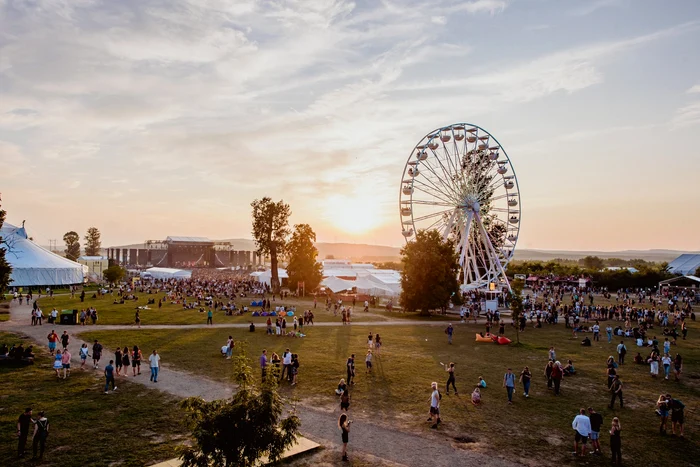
<point x="155" y="118"/>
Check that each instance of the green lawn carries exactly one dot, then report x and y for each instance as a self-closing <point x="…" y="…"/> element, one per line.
<point x="109" y="313"/>
<point x="398" y="390"/>
<point x="132" y="427"/>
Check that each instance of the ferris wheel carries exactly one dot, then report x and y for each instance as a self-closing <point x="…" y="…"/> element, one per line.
<point x="459" y="181"/>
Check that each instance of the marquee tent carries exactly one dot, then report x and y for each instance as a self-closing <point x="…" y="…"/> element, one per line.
<point x="337" y="285"/>
<point x="366" y="286"/>
<point x="685" y="264"/>
<point x="166" y="273"/>
<point x="265" y="277"/>
<point x="33" y="265"/>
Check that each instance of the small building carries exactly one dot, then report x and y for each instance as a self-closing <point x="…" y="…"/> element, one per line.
<point x="622" y="268"/>
<point x="96" y="265"/>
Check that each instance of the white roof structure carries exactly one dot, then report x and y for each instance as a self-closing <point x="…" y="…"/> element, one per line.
<point x="166" y="273"/>
<point x="336" y="284"/>
<point x="92" y="258"/>
<point x="266" y="276"/>
<point x="33" y="265"/>
<point x="188" y="239"/>
<point x="685" y="264"/>
<point x="620" y="268"/>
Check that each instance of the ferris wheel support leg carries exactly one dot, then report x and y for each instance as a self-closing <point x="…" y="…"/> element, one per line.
<point x="465" y="245"/>
<point x="450" y="224"/>
<point x="492" y="251"/>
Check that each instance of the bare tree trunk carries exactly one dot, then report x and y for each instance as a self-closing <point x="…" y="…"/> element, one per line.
<point x="274" y="279"/>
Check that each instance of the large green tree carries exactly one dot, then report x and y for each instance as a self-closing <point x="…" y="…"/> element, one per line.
<point x="270" y="231"/>
<point x="5" y="268"/>
<point x="114" y="274"/>
<point x="592" y="263"/>
<point x="72" y="240"/>
<point x="241" y="430"/>
<point x="429" y="276"/>
<point x="92" y="242"/>
<point x="302" y="253"/>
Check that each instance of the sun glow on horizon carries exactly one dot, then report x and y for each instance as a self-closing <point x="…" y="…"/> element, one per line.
<point x="353" y="214"/>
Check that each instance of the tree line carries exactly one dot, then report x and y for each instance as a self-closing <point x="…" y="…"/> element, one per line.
<point x="93" y="243"/>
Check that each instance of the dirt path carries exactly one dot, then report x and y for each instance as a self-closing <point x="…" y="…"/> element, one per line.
<point x="382" y="442"/>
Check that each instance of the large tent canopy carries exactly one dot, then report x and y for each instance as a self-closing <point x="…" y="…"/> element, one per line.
<point x="166" y="273"/>
<point x="265" y="277"/>
<point x="335" y="284"/>
<point x="685" y="264"/>
<point x="33" y="265"/>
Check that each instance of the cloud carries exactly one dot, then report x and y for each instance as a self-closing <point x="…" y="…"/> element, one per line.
<point x="438" y="19"/>
<point x="483" y="6"/>
<point x="688" y="115"/>
<point x="585" y="8"/>
<point x="694" y="89"/>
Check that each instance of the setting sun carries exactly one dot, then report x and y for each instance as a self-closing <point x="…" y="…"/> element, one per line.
<point x="353" y="214"/>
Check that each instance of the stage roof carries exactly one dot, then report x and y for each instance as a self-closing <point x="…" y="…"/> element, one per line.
<point x="188" y="239"/>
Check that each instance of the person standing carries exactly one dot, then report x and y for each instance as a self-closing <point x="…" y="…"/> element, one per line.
<point x="449" y="331"/>
<point x="229" y="347"/>
<point x="263" y="364"/>
<point x="83" y="354"/>
<point x="616" y="390"/>
<point x="616" y="442"/>
<point x="344" y="425"/>
<point x="286" y="365"/>
<point x="65" y="338"/>
<point x="370" y="341"/>
<point x="23" y="423"/>
<point x="509" y="384"/>
<point x="596" y="422"/>
<point x="678" y="366"/>
<point x="136" y="357"/>
<point x="525" y="378"/>
<point x="609" y="332"/>
<point x="109" y="376"/>
<point x="52" y="338"/>
<point x="350" y="366"/>
<point x="154" y="360"/>
<point x="663" y="406"/>
<point x="377" y="345"/>
<point x="557" y="375"/>
<point x="582" y="426"/>
<point x="368" y="361"/>
<point x="621" y="352"/>
<point x="677" y="416"/>
<point x="137" y="318"/>
<point x="58" y="363"/>
<point x="96" y="354"/>
<point x="552" y="354"/>
<point x="210" y="317"/>
<point x="434" y="405"/>
<point x="596" y="331"/>
<point x="125" y="360"/>
<point x="65" y="362"/>
<point x="118" y="362"/>
<point x="548" y="373"/>
<point x="450" y="378"/>
<point x="41" y="432"/>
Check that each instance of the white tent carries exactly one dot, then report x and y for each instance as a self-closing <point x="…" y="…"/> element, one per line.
<point x="336" y="284"/>
<point x="266" y="276"/>
<point x="166" y="273"/>
<point x="365" y="286"/>
<point x="33" y="265"/>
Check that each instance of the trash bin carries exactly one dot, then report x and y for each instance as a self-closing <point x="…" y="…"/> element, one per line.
<point x="69" y="317"/>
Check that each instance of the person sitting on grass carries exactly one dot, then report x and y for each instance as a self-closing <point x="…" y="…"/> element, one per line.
<point x="476" y="397"/>
<point x="569" y="369"/>
<point x="586" y="342"/>
<point x="638" y="359"/>
<point x="481" y="383"/>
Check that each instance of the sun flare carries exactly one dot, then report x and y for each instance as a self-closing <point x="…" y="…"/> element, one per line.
<point x="353" y="214"/>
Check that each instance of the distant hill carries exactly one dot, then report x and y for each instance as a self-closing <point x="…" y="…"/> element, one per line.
<point x="360" y="252"/>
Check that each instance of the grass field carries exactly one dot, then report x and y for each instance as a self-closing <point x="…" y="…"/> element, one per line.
<point x="397" y="392"/>
<point x="131" y="427"/>
<point x="109" y="313"/>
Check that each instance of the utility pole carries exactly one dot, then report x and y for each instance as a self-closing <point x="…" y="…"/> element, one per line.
<point x="52" y="245"/>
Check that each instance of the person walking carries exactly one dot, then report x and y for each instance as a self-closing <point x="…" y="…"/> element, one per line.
<point x="621" y="352"/>
<point x="52" y="338"/>
<point x="616" y="390"/>
<point x="368" y="361"/>
<point x="525" y="378"/>
<point x="350" y="366"/>
<point x="125" y="360"/>
<point x="449" y="331"/>
<point x="65" y="338"/>
<point x="137" y="318"/>
<point x="450" y="377"/>
<point x="509" y="384"/>
<point x="154" y="360"/>
<point x="616" y="442"/>
<point x="435" y="405"/>
<point x="83" y="353"/>
<point x="96" y="354"/>
<point x="582" y="426"/>
<point x="377" y="345"/>
<point x="678" y="366"/>
<point x="58" y="363"/>
<point x="136" y="357"/>
<point x="41" y="432"/>
<point x="118" y="362"/>
<point x="65" y="362"/>
<point x="23" y="423"/>
<point x="596" y="422"/>
<point x="666" y="362"/>
<point x="109" y="376"/>
<point x="344" y="426"/>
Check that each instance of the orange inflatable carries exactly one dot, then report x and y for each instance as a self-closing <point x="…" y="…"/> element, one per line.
<point x="486" y="338"/>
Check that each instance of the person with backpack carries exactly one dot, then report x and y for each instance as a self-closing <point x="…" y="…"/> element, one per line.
<point x="621" y="352"/>
<point x="41" y="432"/>
<point x="509" y="384"/>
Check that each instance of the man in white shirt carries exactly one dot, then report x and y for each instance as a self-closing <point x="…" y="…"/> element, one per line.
<point x="154" y="360"/>
<point x="582" y="425"/>
<point x="286" y="365"/>
<point x="434" y="406"/>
